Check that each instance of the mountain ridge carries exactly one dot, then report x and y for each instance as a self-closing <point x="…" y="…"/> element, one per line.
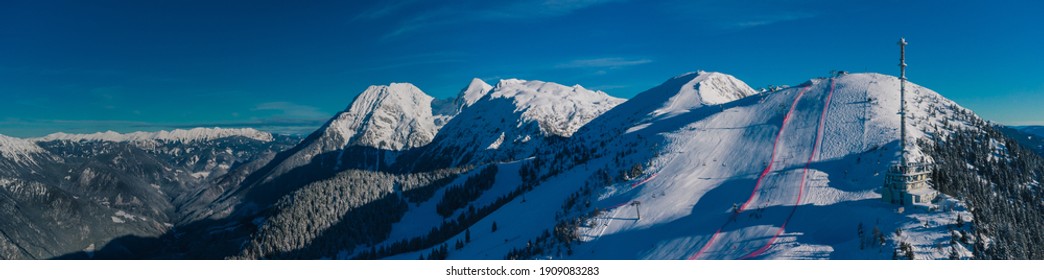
<point x="699" y="167"/>
<point x="189" y="135"/>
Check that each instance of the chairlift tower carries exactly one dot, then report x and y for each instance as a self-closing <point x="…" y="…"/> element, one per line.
<point x="637" y="204"/>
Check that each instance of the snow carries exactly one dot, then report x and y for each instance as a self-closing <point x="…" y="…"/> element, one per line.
<point x="472" y="93"/>
<point x="559" y="110"/>
<point x="422" y="217"/>
<point x="201" y="174"/>
<point x="818" y="150"/>
<point x="177" y="135"/>
<point x="17" y="149"/>
<point x="496" y="144"/>
<point x="502" y="125"/>
<point x="397" y="116"/>
<point x="90" y="250"/>
<point x="394" y="117"/>
<point x="701" y="89"/>
<point x="714" y="159"/>
<point x="679" y="95"/>
<point x="125" y="215"/>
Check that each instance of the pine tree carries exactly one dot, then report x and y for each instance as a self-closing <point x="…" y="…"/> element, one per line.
<point x="878" y="236"/>
<point x="467" y="235"/>
<point x="494" y="228"/>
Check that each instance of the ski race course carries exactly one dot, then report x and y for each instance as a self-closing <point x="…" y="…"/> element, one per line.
<point x="755" y="225"/>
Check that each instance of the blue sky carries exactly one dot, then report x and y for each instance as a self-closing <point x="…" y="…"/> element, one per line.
<point x="287" y="66"/>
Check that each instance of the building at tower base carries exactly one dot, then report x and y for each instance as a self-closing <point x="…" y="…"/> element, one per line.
<point x="907" y="184"/>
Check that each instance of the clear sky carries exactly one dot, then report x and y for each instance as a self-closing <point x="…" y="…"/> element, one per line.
<point x="287" y="66"/>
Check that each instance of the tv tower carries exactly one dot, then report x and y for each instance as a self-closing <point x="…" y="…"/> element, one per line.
<point x="902" y="100"/>
<point x="906" y="183"/>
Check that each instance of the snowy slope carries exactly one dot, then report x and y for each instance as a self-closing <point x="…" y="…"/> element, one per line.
<point x="791" y="161"/>
<point x="446" y="109"/>
<point x="513" y="119"/>
<point x="802" y="166"/>
<point x="701" y="89"/>
<point x="556" y="109"/>
<point x="17" y="149"/>
<point x="388" y="117"/>
<point x="475" y="90"/>
<point x="678" y="95"/>
<point x="381" y="122"/>
<point x="397" y="116"/>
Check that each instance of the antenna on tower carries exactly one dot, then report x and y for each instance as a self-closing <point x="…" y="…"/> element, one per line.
<point x="906" y="183"/>
<point x="902" y="100"/>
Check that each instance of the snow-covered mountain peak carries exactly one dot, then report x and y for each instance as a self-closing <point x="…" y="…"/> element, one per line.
<point x="559" y="110"/>
<point x="387" y="95"/>
<point x="676" y="96"/>
<point x="697" y="89"/>
<point x="820" y="149"/>
<point x="473" y="92"/>
<point x="177" y="135"/>
<point x="445" y="109"/>
<point x="513" y="120"/>
<point x="17" y="149"/>
<point x="396" y="116"/>
<point x="508" y="81"/>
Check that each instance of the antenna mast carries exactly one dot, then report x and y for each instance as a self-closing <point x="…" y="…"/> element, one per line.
<point x="902" y="100"/>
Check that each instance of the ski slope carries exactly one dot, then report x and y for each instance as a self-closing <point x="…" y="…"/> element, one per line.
<point x="782" y="181"/>
<point x="804" y="164"/>
<point x="787" y="174"/>
<point x="801" y="166"/>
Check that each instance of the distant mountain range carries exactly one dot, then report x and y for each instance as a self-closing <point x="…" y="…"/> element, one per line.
<point x="1031" y="137"/>
<point x="70" y="192"/>
<point x="699" y="167"/>
<point x="1032" y="129"/>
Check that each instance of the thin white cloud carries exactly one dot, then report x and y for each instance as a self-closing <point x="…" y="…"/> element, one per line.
<point x="606" y="62"/>
<point x="410" y="60"/>
<point x="539" y="8"/>
<point x="755" y="21"/>
<point x="454" y="12"/>
<point x="383" y="11"/>
<point x="740" y="14"/>
<point x="290" y="110"/>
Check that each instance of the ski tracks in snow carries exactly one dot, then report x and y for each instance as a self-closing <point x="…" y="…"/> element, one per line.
<point x="754" y="197"/>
